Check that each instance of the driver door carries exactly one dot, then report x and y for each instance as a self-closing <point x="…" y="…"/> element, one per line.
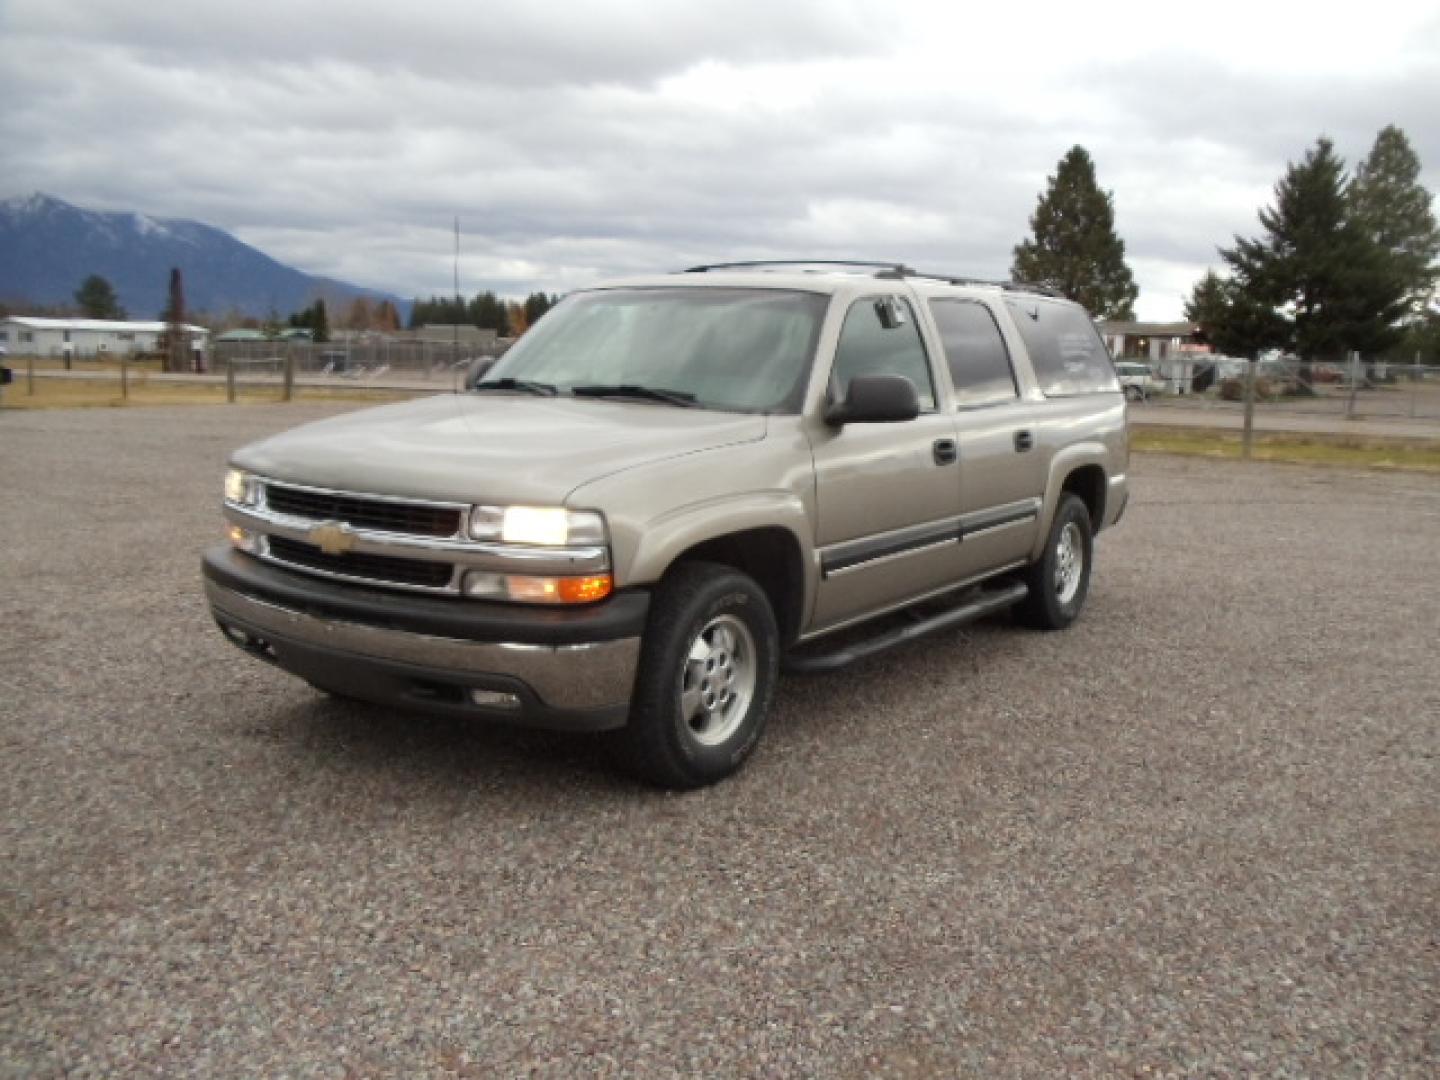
<point x="887" y="494"/>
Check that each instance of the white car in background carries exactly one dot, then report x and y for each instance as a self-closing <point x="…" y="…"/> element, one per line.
<point x="1138" y="380"/>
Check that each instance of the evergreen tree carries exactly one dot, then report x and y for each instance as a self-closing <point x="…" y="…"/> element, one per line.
<point x="488" y="312"/>
<point x="1231" y="321"/>
<point x="1335" y="288"/>
<point x="536" y="305"/>
<point x="1074" y="245"/>
<point x="440" y="311"/>
<point x="1394" y="208"/>
<point x="313" y="318"/>
<point x="97" y="299"/>
<point x="320" y="322"/>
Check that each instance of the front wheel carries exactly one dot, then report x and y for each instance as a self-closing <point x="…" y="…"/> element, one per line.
<point x="1059" y="580"/>
<point x="707" y="673"/>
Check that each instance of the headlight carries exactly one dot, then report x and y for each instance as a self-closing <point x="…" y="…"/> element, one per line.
<point x="241" y="488"/>
<point x="544" y="526"/>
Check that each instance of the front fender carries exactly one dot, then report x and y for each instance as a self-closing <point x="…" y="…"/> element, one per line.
<point x="681" y="528"/>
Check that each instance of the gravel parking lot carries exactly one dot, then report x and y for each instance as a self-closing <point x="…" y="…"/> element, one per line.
<point x="1197" y="833"/>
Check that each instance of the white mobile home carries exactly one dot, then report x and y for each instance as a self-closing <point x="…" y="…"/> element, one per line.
<point x="86" y="339"/>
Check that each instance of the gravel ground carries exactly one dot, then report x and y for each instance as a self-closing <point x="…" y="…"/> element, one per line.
<point x="1195" y="834"/>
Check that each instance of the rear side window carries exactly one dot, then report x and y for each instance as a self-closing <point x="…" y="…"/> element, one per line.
<point x="868" y="347"/>
<point x="1064" y="346"/>
<point x="979" y="361"/>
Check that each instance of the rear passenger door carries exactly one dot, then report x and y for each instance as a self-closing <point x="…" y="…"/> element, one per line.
<point x="1002" y="472"/>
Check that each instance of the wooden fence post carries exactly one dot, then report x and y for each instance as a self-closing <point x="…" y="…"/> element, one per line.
<point x="1247" y="441"/>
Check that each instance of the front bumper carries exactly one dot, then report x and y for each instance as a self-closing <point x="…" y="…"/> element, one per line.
<point x="570" y="669"/>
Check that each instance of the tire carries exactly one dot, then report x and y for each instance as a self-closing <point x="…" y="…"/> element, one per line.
<point x="707" y="674"/>
<point x="1059" y="580"/>
<point x="1134" y="393"/>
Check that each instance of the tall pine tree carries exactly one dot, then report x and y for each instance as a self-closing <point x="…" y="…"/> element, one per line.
<point x="97" y="299"/>
<point x="1074" y="246"/>
<point x="320" y="322"/>
<point x="1332" y="284"/>
<point x="1394" y="208"/>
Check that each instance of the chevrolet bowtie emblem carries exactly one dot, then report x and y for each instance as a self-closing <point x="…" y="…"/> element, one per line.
<point x="333" y="538"/>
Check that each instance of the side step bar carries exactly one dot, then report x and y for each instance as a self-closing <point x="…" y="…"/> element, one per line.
<point x="987" y="602"/>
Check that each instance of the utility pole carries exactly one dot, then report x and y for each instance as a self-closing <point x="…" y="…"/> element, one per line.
<point x="459" y="305"/>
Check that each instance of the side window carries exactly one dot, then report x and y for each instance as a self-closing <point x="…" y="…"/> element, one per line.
<point x="1064" y="347"/>
<point x="868" y="347"/>
<point x="979" y="361"/>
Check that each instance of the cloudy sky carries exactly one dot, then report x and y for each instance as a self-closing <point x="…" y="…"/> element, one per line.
<point x="577" y="140"/>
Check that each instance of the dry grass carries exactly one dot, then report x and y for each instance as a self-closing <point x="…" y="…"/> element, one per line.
<point x="110" y="364"/>
<point x="1421" y="455"/>
<point x="105" y="393"/>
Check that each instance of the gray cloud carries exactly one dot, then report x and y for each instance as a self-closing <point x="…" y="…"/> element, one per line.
<point x="580" y="140"/>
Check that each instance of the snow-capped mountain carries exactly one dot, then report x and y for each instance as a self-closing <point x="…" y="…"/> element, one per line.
<point x="48" y="247"/>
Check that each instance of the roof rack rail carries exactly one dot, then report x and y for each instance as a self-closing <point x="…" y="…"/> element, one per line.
<point x="1039" y="287"/>
<point x="887" y="269"/>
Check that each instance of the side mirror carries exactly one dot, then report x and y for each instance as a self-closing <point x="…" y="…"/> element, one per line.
<point x="478" y="369"/>
<point x="890" y="311"/>
<point x="876" y="399"/>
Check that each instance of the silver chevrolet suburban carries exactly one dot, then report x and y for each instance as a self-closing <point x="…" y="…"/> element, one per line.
<point x="672" y="488"/>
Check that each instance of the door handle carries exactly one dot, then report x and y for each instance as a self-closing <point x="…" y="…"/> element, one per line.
<point x="945" y="452"/>
<point x="1024" y="440"/>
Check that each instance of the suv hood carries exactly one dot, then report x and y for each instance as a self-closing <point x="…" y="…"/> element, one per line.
<point x="495" y="447"/>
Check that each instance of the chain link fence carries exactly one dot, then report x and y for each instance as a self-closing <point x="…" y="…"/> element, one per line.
<point x="267" y="369"/>
<point x="379" y="363"/>
<point x="1356" y="389"/>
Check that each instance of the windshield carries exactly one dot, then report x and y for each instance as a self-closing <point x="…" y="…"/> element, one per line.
<point x="745" y="350"/>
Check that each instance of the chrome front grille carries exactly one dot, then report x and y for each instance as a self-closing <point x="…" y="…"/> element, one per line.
<point x="397" y="542"/>
<point x="394" y="542"/>
<point x="381" y="569"/>
<point x="362" y="512"/>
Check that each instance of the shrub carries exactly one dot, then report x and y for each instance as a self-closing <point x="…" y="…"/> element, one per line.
<point x="1233" y="389"/>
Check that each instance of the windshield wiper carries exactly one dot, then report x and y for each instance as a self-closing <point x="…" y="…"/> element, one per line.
<point x="524" y="386"/>
<point x="634" y="390"/>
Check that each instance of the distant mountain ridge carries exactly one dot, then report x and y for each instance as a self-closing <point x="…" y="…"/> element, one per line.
<point x="48" y="247"/>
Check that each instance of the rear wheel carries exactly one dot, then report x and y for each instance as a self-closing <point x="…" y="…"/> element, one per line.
<point x="707" y="674"/>
<point x="1059" y="580"/>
